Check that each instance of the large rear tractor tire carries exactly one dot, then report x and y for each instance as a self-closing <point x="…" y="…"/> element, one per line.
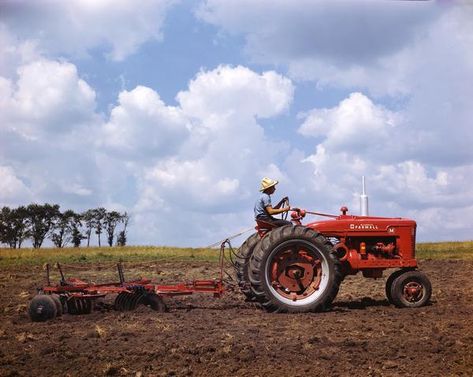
<point x="242" y="265"/>
<point x="411" y="289"/>
<point x="294" y="269"/>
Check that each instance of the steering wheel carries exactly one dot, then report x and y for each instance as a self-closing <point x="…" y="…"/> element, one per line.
<point x="285" y="203"/>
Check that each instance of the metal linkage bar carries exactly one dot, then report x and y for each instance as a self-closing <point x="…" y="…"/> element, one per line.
<point x="215" y="287"/>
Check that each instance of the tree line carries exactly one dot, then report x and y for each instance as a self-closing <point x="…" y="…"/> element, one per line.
<point x="37" y="222"/>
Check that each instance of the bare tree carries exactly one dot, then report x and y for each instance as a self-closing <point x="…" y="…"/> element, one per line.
<point x="4" y="236"/>
<point x="110" y="222"/>
<point x="7" y="233"/>
<point x="61" y="233"/>
<point x="40" y="219"/>
<point x="99" y="214"/>
<point x="14" y="228"/>
<point x="21" y="227"/>
<point x="76" y="235"/>
<point x="89" y="219"/>
<point x="121" y="238"/>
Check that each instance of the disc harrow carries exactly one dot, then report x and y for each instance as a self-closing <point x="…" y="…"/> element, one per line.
<point x="77" y="297"/>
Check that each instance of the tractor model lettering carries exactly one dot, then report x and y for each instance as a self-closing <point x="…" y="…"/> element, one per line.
<point x="363" y="227"/>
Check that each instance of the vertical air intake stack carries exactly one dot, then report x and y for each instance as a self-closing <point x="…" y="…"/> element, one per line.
<point x="363" y="199"/>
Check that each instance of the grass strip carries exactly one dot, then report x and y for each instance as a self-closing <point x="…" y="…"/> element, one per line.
<point x="83" y="255"/>
<point x="445" y="250"/>
<point x="28" y="256"/>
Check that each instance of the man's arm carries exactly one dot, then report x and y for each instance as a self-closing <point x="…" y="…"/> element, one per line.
<point x="281" y="202"/>
<point x="275" y="211"/>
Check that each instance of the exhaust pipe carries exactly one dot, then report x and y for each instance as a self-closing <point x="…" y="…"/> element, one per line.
<point x="363" y="199"/>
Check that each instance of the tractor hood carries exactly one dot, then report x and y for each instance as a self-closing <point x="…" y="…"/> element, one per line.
<point x="343" y="225"/>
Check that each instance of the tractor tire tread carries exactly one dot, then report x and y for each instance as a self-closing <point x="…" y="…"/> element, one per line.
<point x="242" y="264"/>
<point x="389" y="283"/>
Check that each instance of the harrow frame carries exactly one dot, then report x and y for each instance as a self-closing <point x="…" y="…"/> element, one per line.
<point x="76" y="296"/>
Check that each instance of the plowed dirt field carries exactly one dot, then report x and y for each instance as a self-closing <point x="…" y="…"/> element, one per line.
<point x="362" y="335"/>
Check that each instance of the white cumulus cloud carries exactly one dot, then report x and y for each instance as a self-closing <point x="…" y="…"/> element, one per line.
<point x="358" y="137"/>
<point x="47" y="123"/>
<point x="333" y="42"/>
<point x="12" y="188"/>
<point x="142" y="125"/>
<point x="227" y="90"/>
<point x="51" y="95"/>
<point x="74" y="28"/>
<point x="355" y="123"/>
<point x="48" y="96"/>
<point x="218" y="168"/>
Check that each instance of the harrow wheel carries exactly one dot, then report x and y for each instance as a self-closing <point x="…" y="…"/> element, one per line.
<point x="58" y="303"/>
<point x="78" y="305"/>
<point x="135" y="300"/>
<point x="293" y="269"/>
<point x="72" y="306"/>
<point x="128" y="301"/>
<point x="42" y="308"/>
<point x="411" y="289"/>
<point x="242" y="265"/>
<point x="155" y="302"/>
<point x="119" y="301"/>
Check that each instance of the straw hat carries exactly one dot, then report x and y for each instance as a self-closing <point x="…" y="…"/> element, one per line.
<point x="267" y="183"/>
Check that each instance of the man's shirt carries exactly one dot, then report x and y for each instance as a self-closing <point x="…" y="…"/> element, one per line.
<point x="260" y="206"/>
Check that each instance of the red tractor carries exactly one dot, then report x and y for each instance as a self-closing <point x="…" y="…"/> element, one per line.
<point x="300" y="268"/>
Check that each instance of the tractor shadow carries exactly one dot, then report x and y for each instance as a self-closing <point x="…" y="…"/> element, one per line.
<point x="366" y="303"/>
<point x="363" y="303"/>
<point x="337" y="306"/>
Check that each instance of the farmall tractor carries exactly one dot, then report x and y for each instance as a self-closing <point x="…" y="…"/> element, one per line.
<point x="300" y="268"/>
<point x="293" y="268"/>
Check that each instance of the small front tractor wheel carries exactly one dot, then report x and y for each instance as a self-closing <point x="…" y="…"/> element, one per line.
<point x="411" y="289"/>
<point x="293" y="269"/>
<point x="242" y="265"/>
<point x="42" y="308"/>
<point x="389" y="284"/>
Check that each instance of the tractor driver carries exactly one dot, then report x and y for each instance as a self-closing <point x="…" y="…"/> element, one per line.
<point x="263" y="208"/>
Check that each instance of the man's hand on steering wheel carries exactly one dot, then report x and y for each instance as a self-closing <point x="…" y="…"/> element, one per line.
<point x="285" y="204"/>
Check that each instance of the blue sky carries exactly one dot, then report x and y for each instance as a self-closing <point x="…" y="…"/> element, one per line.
<point x="175" y="110"/>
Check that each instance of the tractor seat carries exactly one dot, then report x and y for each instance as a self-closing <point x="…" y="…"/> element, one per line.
<point x="263" y="227"/>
